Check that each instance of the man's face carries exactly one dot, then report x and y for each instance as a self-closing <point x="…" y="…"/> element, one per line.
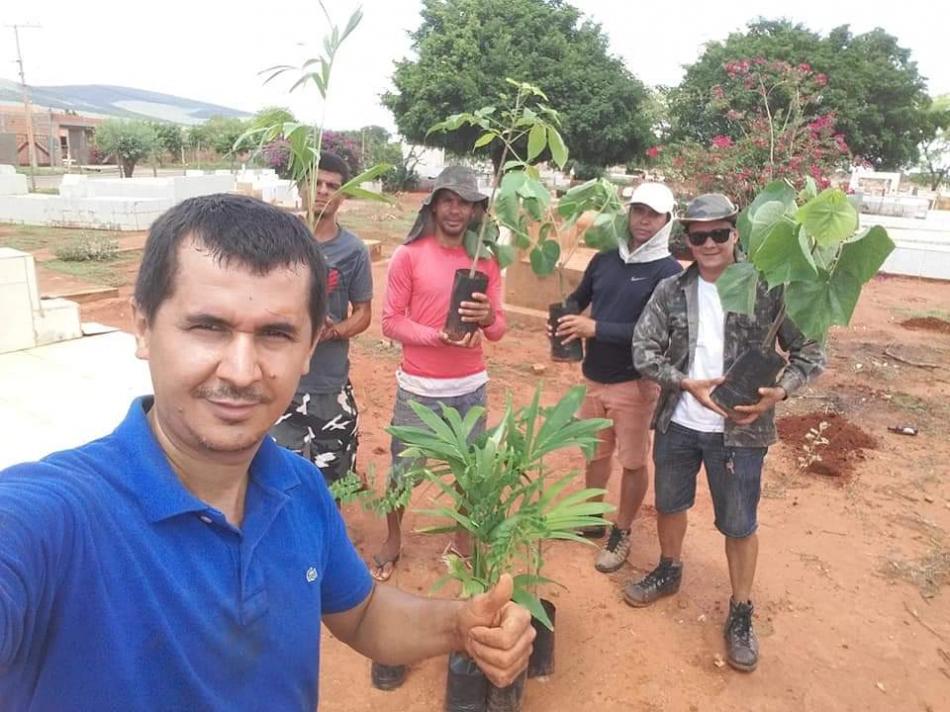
<point x="644" y="223"/>
<point x="451" y="213"/>
<point x="328" y="183"/>
<point x="225" y="350"/>
<point x="711" y="255"/>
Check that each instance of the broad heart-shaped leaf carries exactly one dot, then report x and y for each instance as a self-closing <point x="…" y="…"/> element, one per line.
<point x="736" y="287"/>
<point x="814" y="306"/>
<point x="504" y="254"/>
<point x="507" y="201"/>
<point x="607" y="234"/>
<point x="784" y="256"/>
<point x="537" y="140"/>
<point x="809" y="191"/>
<point x="558" y="149"/>
<point x="829" y="218"/>
<point x="767" y="216"/>
<point x="544" y="257"/>
<point x="863" y="257"/>
<point x="777" y="190"/>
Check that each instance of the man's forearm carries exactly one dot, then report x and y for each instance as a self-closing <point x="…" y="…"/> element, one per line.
<point x="355" y="324"/>
<point x="399" y="628"/>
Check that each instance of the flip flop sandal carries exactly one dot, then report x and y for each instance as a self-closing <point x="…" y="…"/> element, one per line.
<point x="380" y="563"/>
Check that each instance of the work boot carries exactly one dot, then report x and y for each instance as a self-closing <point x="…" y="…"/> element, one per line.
<point x="614" y="553"/>
<point x="664" y="580"/>
<point x="742" y="646"/>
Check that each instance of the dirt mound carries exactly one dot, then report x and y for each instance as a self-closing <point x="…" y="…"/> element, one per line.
<point x="927" y="323"/>
<point x="838" y="456"/>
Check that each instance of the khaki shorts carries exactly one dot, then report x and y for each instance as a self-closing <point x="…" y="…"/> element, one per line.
<point x="630" y="405"/>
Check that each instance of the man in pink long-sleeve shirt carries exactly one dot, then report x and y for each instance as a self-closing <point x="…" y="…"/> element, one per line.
<point x="435" y="369"/>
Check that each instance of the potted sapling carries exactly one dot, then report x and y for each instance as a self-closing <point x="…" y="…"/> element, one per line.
<point x="504" y="496"/>
<point x="516" y="135"/>
<point x="809" y="245"/>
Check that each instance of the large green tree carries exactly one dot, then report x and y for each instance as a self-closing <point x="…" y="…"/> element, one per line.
<point x="873" y="87"/>
<point x="128" y="141"/>
<point x="467" y="48"/>
<point x="935" y="150"/>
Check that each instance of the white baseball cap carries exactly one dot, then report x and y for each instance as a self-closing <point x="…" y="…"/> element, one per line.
<point x="655" y="196"/>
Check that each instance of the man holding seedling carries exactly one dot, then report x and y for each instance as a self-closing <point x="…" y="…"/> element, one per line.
<point x="322" y="420"/>
<point x="185" y="561"/>
<point x="686" y="343"/>
<point x="617" y="285"/>
<point x="436" y="369"/>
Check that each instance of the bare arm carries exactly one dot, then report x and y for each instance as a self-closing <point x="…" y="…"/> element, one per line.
<point x="394" y="627"/>
<point x="356" y="323"/>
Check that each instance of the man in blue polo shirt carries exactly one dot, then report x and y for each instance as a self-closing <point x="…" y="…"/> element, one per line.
<point x="185" y="560"/>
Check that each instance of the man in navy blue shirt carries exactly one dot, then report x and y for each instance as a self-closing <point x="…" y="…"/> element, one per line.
<point x="185" y="560"/>
<point x="617" y="285"/>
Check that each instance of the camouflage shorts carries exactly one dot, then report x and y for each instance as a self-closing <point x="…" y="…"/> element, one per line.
<point x="324" y="428"/>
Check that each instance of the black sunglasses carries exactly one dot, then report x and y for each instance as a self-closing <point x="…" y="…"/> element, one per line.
<point x="697" y="239"/>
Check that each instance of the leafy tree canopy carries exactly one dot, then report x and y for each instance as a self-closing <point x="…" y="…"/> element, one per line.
<point x="873" y="87"/>
<point x="467" y="48"/>
<point x="128" y="141"/>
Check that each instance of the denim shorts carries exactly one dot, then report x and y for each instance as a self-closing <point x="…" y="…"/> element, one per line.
<point x="405" y="415"/>
<point x="734" y="475"/>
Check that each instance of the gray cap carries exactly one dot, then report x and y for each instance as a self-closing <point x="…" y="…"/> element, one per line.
<point x="709" y="208"/>
<point x="461" y="181"/>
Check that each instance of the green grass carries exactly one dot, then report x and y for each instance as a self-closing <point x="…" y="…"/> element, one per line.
<point x="111" y="273"/>
<point x="31" y="238"/>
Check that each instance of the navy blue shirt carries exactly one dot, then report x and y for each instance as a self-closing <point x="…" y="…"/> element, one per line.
<point x="617" y="292"/>
<point x="120" y="590"/>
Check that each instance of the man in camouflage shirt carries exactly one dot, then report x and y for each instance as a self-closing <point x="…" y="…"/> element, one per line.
<point x="685" y="343"/>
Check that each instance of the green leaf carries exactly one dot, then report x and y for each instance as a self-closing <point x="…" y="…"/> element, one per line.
<point x="829" y="218"/>
<point x="784" y="256"/>
<point x="779" y="191"/>
<point x="533" y="604"/>
<point x="737" y="287"/>
<point x="815" y="306"/>
<point x="767" y="216"/>
<point x="504" y="254"/>
<point x="809" y="191"/>
<point x="863" y="257"/>
<point x="537" y="140"/>
<point x="485" y="139"/>
<point x="544" y="257"/>
<point x="558" y="149"/>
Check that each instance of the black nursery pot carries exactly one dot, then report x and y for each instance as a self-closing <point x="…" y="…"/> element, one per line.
<point x="466" y="688"/>
<point x="507" y="699"/>
<point x="756" y="368"/>
<point x="462" y="290"/>
<point x="541" y="662"/>
<point x="387" y="677"/>
<point x="574" y="351"/>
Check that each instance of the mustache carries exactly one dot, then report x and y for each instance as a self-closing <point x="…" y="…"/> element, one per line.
<point x="227" y="392"/>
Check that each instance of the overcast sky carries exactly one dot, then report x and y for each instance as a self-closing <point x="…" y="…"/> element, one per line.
<point x="213" y="51"/>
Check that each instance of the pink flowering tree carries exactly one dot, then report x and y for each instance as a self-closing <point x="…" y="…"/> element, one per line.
<point x="775" y="130"/>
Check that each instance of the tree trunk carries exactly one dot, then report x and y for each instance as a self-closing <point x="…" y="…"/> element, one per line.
<point x="127" y="168"/>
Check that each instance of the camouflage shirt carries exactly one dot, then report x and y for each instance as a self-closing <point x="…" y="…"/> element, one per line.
<point x="664" y="342"/>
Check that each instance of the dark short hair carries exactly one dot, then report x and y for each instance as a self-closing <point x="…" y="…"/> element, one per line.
<point x="330" y="161"/>
<point x="235" y="229"/>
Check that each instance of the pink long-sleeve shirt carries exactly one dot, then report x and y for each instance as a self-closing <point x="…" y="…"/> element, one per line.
<point x="418" y="293"/>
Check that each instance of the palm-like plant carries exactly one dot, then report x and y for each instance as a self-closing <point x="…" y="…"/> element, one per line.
<point x="503" y="494"/>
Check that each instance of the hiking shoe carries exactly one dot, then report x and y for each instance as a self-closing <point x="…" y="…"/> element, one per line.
<point x="742" y="645"/>
<point x="664" y="580"/>
<point x="614" y="553"/>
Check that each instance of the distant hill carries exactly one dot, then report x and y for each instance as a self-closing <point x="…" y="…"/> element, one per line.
<point x="106" y="100"/>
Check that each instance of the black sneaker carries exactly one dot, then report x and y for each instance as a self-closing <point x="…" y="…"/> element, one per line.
<point x="664" y="580"/>
<point x="742" y="645"/>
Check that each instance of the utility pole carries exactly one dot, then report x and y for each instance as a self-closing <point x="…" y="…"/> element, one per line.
<point x="26" y="106"/>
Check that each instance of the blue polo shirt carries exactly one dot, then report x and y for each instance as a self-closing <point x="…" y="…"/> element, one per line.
<point x="120" y="590"/>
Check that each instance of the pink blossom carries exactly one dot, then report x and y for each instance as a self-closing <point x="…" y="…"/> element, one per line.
<point x="718" y="92"/>
<point x="804" y="67"/>
<point x="821" y="79"/>
<point x="653" y="151"/>
<point x="734" y="115"/>
<point x="721" y="141"/>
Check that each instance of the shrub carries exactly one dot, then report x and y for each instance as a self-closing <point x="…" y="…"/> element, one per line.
<point x="94" y="248"/>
